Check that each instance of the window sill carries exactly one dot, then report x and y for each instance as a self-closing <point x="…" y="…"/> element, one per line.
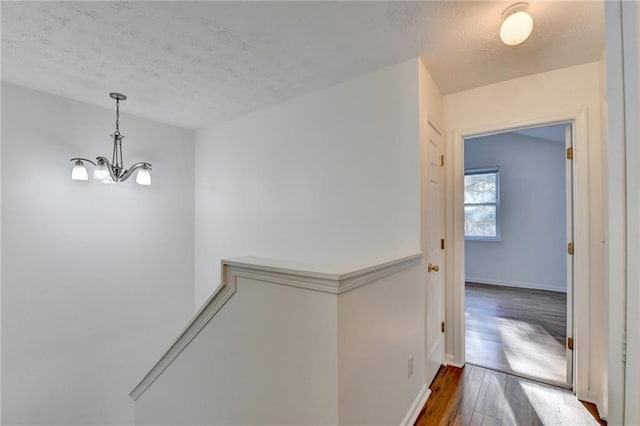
<point x="482" y="240"/>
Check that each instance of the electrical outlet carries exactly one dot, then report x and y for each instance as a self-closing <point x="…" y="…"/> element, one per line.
<point x="410" y="366"/>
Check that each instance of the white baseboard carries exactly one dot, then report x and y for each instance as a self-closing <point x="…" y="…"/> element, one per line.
<point x="450" y="360"/>
<point x="517" y="284"/>
<point x="416" y="407"/>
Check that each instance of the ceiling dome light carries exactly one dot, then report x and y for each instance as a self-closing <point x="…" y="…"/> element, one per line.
<point x="517" y="25"/>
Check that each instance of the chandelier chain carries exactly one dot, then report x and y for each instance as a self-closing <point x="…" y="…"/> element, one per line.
<point x="117" y="159"/>
<point x="117" y="116"/>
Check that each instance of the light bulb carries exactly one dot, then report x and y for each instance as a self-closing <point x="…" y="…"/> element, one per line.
<point x="143" y="177"/>
<point x="101" y="172"/>
<point x="516" y="28"/>
<point x="79" y="171"/>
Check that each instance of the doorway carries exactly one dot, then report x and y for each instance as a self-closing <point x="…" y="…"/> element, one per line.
<point x="518" y="231"/>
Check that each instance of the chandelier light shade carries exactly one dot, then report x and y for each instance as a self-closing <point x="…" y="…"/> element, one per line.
<point x="79" y="171"/>
<point x="112" y="171"/>
<point x="517" y="25"/>
<point x="101" y="172"/>
<point x="143" y="177"/>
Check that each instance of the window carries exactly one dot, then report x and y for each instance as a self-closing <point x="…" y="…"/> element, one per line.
<point x="482" y="204"/>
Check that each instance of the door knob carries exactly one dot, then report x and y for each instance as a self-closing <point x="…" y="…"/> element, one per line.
<point x="432" y="268"/>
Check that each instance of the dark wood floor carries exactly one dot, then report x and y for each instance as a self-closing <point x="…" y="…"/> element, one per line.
<point x="478" y="396"/>
<point x="517" y="331"/>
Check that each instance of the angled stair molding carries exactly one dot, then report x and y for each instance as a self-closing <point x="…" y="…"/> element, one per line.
<point x="197" y="323"/>
<point x="327" y="279"/>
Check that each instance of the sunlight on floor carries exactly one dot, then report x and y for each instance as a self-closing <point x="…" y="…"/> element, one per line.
<point x="479" y="396"/>
<point x="530" y="343"/>
<point x="544" y="353"/>
<point x="542" y="357"/>
<point x="541" y="398"/>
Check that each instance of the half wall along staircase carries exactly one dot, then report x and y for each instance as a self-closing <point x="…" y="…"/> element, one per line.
<point x="289" y="343"/>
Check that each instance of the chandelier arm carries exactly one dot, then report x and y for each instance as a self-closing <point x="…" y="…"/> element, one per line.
<point x="83" y="159"/>
<point x="133" y="168"/>
<point x="110" y="168"/>
<point x="121" y="164"/>
<point x="114" y="158"/>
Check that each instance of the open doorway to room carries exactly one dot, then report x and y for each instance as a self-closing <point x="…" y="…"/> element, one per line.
<point x="518" y="273"/>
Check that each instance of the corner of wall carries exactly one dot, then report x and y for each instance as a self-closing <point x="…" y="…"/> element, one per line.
<point x="1" y="85"/>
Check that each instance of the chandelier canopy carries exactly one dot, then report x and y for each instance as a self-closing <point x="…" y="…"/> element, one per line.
<point x="114" y="171"/>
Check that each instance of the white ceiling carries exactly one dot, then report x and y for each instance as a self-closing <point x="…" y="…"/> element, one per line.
<point x="199" y="63"/>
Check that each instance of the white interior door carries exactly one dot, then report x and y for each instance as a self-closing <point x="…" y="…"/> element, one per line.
<point x="434" y="253"/>
<point x="570" y="237"/>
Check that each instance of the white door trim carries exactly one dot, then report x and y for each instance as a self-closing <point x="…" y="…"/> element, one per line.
<point x="630" y="17"/>
<point x="455" y="251"/>
<point x="569" y="212"/>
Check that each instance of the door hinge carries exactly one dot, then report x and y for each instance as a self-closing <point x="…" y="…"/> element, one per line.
<point x="442" y="326"/>
<point x="570" y="153"/>
<point x="570" y="343"/>
<point x="442" y="244"/>
<point x="441" y="160"/>
<point x="624" y="347"/>
<point x="570" y="248"/>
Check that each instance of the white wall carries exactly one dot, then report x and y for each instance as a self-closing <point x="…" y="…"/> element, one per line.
<point x="0" y="256"/>
<point x="509" y="103"/>
<point x="531" y="252"/>
<point x="269" y="356"/>
<point x="96" y="279"/>
<point x="331" y="176"/>
<point x="380" y="326"/>
<point x="601" y="350"/>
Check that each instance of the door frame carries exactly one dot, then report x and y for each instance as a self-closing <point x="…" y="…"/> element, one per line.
<point x="581" y="277"/>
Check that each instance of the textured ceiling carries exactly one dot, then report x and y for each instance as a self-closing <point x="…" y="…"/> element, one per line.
<point x="198" y="63"/>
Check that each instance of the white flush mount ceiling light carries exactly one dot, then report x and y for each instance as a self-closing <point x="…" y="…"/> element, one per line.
<point x="517" y="24"/>
<point x="114" y="171"/>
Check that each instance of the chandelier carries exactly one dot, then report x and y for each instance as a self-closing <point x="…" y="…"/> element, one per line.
<point x="114" y="171"/>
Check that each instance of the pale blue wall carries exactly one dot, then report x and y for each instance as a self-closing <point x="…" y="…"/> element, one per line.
<point x="532" y="252"/>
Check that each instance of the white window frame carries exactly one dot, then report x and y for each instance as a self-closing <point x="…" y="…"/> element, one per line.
<point x="480" y="171"/>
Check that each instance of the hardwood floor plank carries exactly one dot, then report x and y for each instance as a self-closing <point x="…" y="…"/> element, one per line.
<point x="475" y="395"/>
<point x="518" y="331"/>
<point x="473" y="377"/>
<point x="518" y="410"/>
<point x="491" y="397"/>
<point x="445" y="388"/>
<point x="484" y="420"/>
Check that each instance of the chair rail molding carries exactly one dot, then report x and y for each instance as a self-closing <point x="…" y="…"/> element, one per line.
<point x="327" y="279"/>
